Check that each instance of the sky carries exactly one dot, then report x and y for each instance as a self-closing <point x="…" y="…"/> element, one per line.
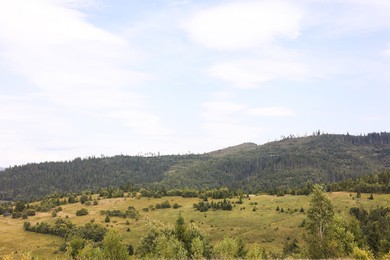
<point x="83" y="78"/>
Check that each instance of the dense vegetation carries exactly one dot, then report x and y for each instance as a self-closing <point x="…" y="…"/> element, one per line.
<point x="288" y="163"/>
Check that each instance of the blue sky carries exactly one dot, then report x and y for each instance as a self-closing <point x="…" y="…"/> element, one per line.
<point x="83" y="78"/>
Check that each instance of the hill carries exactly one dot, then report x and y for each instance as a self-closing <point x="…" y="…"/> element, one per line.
<point x="286" y="163"/>
<point x="256" y="221"/>
<point x="2" y="169"/>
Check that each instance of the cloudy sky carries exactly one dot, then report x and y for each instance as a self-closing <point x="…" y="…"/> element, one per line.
<point x="81" y="77"/>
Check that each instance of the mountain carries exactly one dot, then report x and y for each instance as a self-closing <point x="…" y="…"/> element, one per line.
<point x="2" y="169"/>
<point x="286" y="163"/>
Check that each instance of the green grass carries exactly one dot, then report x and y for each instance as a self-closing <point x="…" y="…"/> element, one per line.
<point x="265" y="227"/>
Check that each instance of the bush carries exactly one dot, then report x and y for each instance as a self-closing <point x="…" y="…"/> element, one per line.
<point x="82" y="212"/>
<point x="17" y="214"/>
<point x="30" y="212"/>
<point x="361" y="254"/>
<point x="83" y="199"/>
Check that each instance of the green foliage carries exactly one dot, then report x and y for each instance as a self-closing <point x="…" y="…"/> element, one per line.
<point x="19" y="206"/>
<point x="180" y="242"/>
<point x="90" y="251"/>
<point x="91" y="231"/>
<point x="280" y="166"/>
<point x="328" y="236"/>
<point x="82" y="212"/>
<point x="361" y="254"/>
<point x="74" y="246"/>
<point x="203" y="206"/>
<point x="320" y="217"/>
<point x="374" y="229"/>
<point x="83" y="198"/>
<point x="290" y="247"/>
<point x="113" y="247"/>
<point x="65" y="228"/>
<point x="229" y="248"/>
<point x="17" y="214"/>
<point x="320" y="214"/>
<point x="131" y="212"/>
<point x="163" y="205"/>
<point x="169" y="247"/>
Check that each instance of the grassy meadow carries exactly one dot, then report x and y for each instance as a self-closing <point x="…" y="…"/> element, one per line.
<point x="256" y="221"/>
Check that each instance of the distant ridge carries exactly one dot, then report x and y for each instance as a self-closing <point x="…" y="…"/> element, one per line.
<point x="290" y="162"/>
<point x="234" y="149"/>
<point x="2" y="169"/>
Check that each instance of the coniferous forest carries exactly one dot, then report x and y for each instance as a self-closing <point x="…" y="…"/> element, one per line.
<point x="342" y="161"/>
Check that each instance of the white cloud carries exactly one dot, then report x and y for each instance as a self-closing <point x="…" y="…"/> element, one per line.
<point x="72" y="62"/>
<point x="222" y="111"/>
<point x="345" y="17"/>
<point x="243" y="25"/>
<point x="233" y="123"/>
<point x="79" y="80"/>
<point x="251" y="73"/>
<point x="271" y="111"/>
<point x="386" y="52"/>
<point x="222" y="134"/>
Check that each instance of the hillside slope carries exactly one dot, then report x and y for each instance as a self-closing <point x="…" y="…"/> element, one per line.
<point x="289" y="162"/>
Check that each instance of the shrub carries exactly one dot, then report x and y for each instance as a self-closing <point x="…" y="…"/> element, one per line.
<point x="30" y="212"/>
<point x="17" y="214"/>
<point x="82" y="212"/>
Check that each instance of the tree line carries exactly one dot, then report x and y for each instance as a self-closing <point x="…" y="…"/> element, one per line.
<point x="288" y="163"/>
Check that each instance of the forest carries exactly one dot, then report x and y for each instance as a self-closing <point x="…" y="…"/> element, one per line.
<point x="279" y="166"/>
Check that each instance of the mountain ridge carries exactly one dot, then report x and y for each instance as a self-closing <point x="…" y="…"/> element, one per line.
<point x="288" y="162"/>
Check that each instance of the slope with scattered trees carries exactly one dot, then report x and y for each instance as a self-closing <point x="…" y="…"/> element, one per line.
<point x="290" y="162"/>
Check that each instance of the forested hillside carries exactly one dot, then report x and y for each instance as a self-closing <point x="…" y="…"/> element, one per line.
<point x="287" y="163"/>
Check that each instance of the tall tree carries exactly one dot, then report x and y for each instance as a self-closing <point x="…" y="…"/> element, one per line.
<point x="320" y="214"/>
<point x="328" y="236"/>
<point x="320" y="217"/>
